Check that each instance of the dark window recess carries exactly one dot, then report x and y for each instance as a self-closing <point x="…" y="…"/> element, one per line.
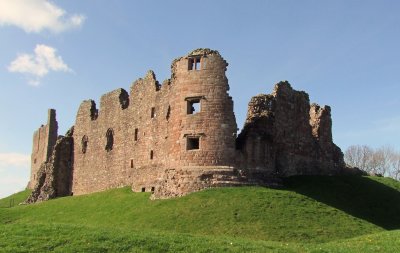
<point x="193" y="106"/>
<point x="151" y="155"/>
<point x="110" y="139"/>
<point x="34" y="161"/>
<point x="124" y="99"/>
<point x="131" y="163"/>
<point x="152" y="189"/>
<point x="153" y="112"/>
<point x="193" y="143"/>
<point x="136" y="134"/>
<point x="143" y="189"/>
<point x="94" y="113"/>
<point x="168" y="113"/>
<point x="84" y="144"/>
<point x="194" y="63"/>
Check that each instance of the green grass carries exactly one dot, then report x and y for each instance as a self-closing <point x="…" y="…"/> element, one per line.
<point x="14" y="199"/>
<point x="311" y="214"/>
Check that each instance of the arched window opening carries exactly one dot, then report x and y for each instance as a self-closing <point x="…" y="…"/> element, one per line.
<point x="110" y="139"/>
<point x="84" y="144"/>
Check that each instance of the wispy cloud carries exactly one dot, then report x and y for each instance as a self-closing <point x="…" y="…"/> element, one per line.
<point x="15" y="160"/>
<point x="37" y="15"/>
<point x="39" y="64"/>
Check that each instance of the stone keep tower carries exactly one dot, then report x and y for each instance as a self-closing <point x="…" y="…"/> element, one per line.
<point x="44" y="140"/>
<point x="205" y="128"/>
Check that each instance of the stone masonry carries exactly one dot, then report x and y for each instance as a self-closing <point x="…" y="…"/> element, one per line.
<point x="181" y="136"/>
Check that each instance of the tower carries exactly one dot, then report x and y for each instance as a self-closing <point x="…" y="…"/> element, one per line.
<point x="204" y="129"/>
<point x="44" y="140"/>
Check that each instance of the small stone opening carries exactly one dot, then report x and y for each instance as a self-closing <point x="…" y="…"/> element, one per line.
<point x="193" y="143"/>
<point x="168" y="113"/>
<point x="34" y="161"/>
<point x="151" y="154"/>
<point x="193" y="105"/>
<point x="131" y="163"/>
<point x="194" y="63"/>
<point x="84" y="144"/>
<point x="110" y="140"/>
<point x="153" y="112"/>
<point x="136" y="134"/>
<point x="153" y="189"/>
<point x="143" y="189"/>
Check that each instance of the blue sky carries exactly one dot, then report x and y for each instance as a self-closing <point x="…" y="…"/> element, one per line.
<point x="54" y="54"/>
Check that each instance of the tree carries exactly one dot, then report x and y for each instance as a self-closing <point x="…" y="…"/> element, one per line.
<point x="384" y="160"/>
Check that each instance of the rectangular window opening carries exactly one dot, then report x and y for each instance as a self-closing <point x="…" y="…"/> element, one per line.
<point x="190" y="63"/>
<point x="143" y="189"/>
<point x="131" y="163"/>
<point x="193" y="106"/>
<point x="193" y="143"/>
<point x="153" y="112"/>
<point x="197" y="63"/>
<point x="136" y="134"/>
<point x="194" y="63"/>
<point x="151" y="155"/>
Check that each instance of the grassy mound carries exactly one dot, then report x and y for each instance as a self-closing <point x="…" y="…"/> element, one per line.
<point x="310" y="212"/>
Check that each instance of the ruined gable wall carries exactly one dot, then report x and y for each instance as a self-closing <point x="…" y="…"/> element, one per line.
<point x="297" y="137"/>
<point x="44" y="140"/>
<point x="54" y="176"/>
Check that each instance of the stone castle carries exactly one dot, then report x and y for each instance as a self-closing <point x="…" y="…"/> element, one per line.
<point x="181" y="136"/>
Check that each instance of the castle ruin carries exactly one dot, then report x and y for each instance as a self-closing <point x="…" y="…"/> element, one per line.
<point x="181" y="136"/>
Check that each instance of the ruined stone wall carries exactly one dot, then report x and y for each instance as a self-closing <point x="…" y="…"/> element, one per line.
<point x="54" y="177"/>
<point x="180" y="137"/>
<point x="44" y="140"/>
<point x="283" y="135"/>
<point x="151" y="127"/>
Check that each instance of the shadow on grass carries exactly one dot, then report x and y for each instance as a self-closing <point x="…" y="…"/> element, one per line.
<point x="361" y="197"/>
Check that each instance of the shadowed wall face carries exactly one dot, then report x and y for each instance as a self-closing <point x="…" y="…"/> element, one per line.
<point x="44" y="140"/>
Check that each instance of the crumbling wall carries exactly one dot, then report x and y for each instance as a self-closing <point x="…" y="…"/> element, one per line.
<point x="180" y="137"/>
<point x="283" y="135"/>
<point x="154" y="127"/>
<point x="54" y="177"/>
<point x="44" y="140"/>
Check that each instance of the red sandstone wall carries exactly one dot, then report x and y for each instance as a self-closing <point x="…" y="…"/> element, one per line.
<point x="283" y="135"/>
<point x="44" y="140"/>
<point x="130" y="162"/>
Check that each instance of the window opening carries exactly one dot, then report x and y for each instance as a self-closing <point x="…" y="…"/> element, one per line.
<point x="143" y="189"/>
<point x="194" y="63"/>
<point x="193" y="143"/>
<point x="34" y="161"/>
<point x="131" y="163"/>
<point x="110" y="139"/>
<point x="136" y="134"/>
<point x="151" y="154"/>
<point x="153" y="112"/>
<point x="193" y="106"/>
<point x="84" y="144"/>
<point x="168" y="113"/>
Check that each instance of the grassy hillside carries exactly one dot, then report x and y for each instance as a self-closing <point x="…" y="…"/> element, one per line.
<point x="308" y="214"/>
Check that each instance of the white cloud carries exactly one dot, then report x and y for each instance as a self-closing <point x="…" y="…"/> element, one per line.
<point x="15" y="160"/>
<point x="37" y="15"/>
<point x="38" y="64"/>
